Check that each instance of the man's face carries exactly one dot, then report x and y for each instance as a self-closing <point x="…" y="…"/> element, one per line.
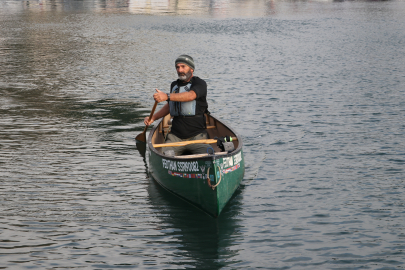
<point x="184" y="72"/>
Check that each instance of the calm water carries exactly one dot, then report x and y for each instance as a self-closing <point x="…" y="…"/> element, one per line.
<point x="315" y="88"/>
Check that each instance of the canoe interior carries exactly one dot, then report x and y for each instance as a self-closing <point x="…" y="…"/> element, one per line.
<point x="214" y="129"/>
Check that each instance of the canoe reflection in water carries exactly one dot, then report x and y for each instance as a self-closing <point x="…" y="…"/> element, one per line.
<point x="202" y="241"/>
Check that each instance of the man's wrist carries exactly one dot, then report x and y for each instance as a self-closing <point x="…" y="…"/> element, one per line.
<point x="168" y="97"/>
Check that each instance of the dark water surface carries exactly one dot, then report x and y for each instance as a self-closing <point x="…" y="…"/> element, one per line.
<point x="315" y="88"/>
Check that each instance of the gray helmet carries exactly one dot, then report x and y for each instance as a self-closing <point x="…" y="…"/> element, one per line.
<point x="185" y="59"/>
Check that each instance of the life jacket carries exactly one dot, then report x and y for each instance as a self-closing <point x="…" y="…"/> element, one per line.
<point x="182" y="108"/>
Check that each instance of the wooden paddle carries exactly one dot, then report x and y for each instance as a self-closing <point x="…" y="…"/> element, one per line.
<point x="208" y="141"/>
<point x="142" y="137"/>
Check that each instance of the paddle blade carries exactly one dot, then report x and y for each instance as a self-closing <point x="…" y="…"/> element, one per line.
<point x="141" y="137"/>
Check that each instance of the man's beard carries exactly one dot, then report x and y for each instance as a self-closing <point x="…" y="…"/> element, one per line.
<point x="184" y="76"/>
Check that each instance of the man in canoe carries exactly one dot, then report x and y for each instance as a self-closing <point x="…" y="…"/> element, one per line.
<point x="187" y="104"/>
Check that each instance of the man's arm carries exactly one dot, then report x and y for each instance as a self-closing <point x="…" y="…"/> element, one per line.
<point x="159" y="96"/>
<point x="165" y="110"/>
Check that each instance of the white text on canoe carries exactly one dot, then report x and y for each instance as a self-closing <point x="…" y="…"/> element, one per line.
<point x="180" y="166"/>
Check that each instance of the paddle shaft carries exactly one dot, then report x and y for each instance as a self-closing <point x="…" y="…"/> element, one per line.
<point x="151" y="113"/>
<point x="207" y="141"/>
<point x="142" y="136"/>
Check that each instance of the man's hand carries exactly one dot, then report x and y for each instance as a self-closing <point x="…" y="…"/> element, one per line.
<point x="159" y="96"/>
<point x="148" y="121"/>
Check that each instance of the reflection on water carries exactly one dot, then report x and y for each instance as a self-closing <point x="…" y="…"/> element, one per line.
<point x="216" y="8"/>
<point x="203" y="242"/>
<point x="213" y="8"/>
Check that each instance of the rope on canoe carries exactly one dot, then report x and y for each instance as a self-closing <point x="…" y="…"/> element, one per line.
<point x="209" y="180"/>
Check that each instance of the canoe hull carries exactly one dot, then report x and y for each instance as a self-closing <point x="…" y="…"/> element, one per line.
<point x="193" y="179"/>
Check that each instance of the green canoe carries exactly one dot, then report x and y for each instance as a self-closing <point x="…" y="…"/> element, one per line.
<point x="207" y="181"/>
